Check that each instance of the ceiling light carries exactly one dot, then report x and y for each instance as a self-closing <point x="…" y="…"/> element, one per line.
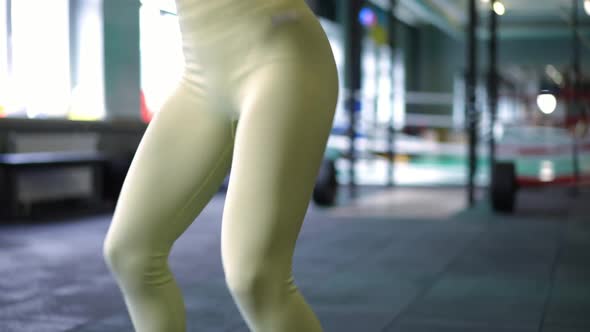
<point x="499" y="8"/>
<point x="587" y="6"/>
<point x="547" y="103"/>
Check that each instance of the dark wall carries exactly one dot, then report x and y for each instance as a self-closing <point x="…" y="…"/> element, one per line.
<point x="540" y="52"/>
<point x="433" y="60"/>
<point x="409" y="41"/>
<point x="121" y="58"/>
<point x="440" y="58"/>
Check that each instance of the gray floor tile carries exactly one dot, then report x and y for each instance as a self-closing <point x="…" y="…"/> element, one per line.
<point x="31" y="325"/>
<point x="559" y="328"/>
<point x="570" y="303"/>
<point x="483" y="299"/>
<point x="452" y="326"/>
<point x="336" y="320"/>
<point x="119" y="322"/>
<point x="477" y="272"/>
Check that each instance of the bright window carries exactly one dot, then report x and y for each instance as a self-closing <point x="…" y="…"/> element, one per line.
<point x="87" y="98"/>
<point x="162" y="61"/>
<point x="48" y="70"/>
<point x="40" y="80"/>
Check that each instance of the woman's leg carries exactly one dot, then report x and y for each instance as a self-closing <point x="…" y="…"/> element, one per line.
<point x="179" y="165"/>
<point x="280" y="140"/>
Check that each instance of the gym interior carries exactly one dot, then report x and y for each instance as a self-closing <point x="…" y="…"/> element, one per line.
<point x="452" y="195"/>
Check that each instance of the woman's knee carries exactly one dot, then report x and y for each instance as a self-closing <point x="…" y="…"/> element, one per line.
<point x="114" y="254"/>
<point x="117" y="256"/>
<point x="245" y="284"/>
<point x="135" y="264"/>
<point x="255" y="283"/>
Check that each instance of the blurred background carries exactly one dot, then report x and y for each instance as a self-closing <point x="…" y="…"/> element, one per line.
<point x="472" y="112"/>
<point x="406" y="114"/>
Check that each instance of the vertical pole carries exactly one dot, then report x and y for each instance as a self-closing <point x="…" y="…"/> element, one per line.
<point x="74" y="29"/>
<point x="9" y="55"/>
<point x="574" y="110"/>
<point x="493" y="88"/>
<point x="470" y="85"/>
<point x="392" y="36"/>
<point x="376" y="100"/>
<point x="350" y="10"/>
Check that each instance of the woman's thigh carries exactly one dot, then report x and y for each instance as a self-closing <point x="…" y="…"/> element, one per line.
<point x="179" y="165"/>
<point x="286" y="118"/>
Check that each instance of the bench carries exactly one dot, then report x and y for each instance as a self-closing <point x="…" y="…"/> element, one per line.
<point x="12" y="164"/>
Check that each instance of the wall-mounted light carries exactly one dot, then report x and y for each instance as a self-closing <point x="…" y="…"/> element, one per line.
<point x="547" y="171"/>
<point x="499" y="8"/>
<point x="367" y="17"/>
<point x="554" y="74"/>
<point x="587" y="6"/>
<point x="547" y="102"/>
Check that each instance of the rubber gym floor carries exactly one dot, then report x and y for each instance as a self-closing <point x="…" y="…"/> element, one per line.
<point x="408" y="260"/>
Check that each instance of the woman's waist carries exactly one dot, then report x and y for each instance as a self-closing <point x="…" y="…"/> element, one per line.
<point x="208" y="21"/>
<point x="286" y="27"/>
<point x="225" y="15"/>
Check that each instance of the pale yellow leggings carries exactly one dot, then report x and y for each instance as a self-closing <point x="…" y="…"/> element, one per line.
<point x="259" y="93"/>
